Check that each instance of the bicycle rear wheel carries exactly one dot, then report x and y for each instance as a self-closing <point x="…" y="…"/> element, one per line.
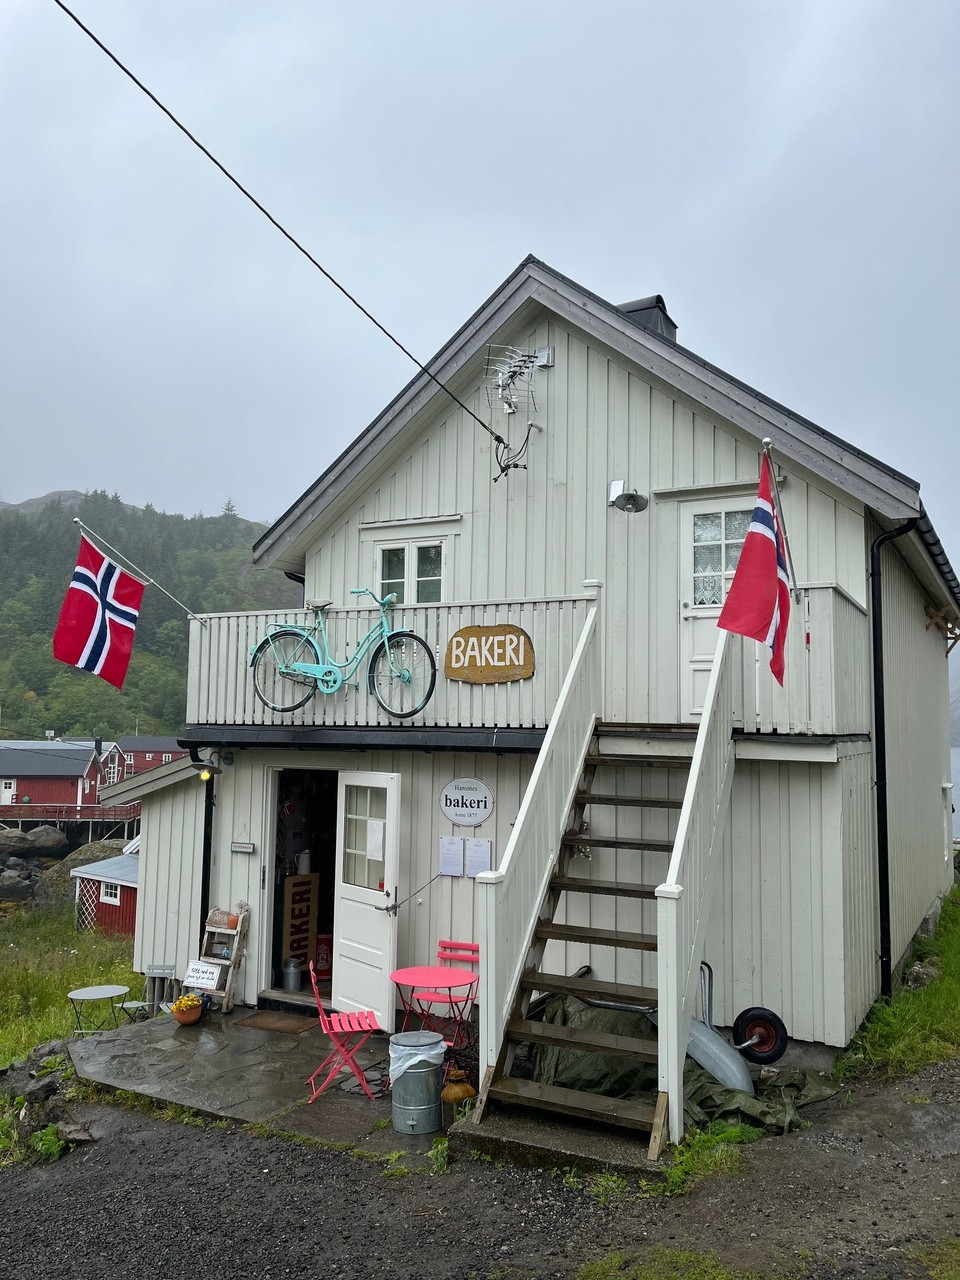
<point x="276" y="690"/>
<point x="402" y="674"/>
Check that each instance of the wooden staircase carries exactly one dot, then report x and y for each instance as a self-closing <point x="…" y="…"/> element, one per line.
<point x="621" y="828"/>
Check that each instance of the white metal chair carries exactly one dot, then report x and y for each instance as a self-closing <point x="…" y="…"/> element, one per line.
<point x="159" y="992"/>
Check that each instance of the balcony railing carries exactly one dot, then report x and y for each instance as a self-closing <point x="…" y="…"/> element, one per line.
<point x="220" y="683"/>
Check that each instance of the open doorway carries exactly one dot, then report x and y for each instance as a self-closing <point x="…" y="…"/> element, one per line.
<point x="304" y="871"/>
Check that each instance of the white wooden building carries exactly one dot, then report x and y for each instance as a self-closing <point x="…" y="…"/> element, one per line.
<point x="793" y="837"/>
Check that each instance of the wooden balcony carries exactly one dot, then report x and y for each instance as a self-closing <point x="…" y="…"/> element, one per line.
<point x="220" y="683"/>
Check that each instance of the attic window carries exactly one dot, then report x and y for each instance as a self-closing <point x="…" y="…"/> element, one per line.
<point x="413" y="570"/>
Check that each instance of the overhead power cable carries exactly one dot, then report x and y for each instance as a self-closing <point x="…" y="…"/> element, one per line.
<point x="505" y="460"/>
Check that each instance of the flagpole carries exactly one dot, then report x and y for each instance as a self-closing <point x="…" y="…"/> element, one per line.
<point x="768" y="450"/>
<point x="145" y="577"/>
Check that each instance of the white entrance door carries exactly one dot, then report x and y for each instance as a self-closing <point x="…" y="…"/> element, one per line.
<point x="365" y="938"/>
<point x="711" y="537"/>
<point x="8" y="788"/>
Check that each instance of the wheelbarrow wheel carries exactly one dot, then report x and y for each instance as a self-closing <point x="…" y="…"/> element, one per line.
<point x="767" y="1032"/>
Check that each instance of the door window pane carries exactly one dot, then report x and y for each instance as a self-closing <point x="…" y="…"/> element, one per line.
<point x="364" y="836"/>
<point x="717" y="542"/>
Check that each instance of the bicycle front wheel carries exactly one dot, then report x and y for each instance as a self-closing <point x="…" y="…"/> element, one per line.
<point x="277" y="689"/>
<point x="402" y="675"/>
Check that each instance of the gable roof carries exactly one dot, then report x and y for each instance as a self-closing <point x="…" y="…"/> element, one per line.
<point x="122" y="869"/>
<point x="44" y="760"/>
<point x="533" y="285"/>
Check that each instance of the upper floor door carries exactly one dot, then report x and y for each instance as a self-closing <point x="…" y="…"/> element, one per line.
<point x="711" y="538"/>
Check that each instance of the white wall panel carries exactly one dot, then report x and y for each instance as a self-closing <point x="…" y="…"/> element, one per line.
<point x="168" y="900"/>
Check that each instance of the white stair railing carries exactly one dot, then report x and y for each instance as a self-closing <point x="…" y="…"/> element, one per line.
<point x="509" y="898"/>
<point x="683" y="900"/>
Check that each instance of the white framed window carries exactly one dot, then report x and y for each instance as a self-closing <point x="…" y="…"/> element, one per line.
<point x="148" y="756"/>
<point x="412" y="570"/>
<point x="112" y="771"/>
<point x="717" y="542"/>
<point x="128" y="757"/>
<point x="110" y="893"/>
<point x="167" y="757"/>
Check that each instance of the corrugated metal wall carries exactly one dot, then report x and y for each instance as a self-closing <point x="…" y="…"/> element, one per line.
<point x="917" y="696"/>
<point x="168" y="900"/>
<point x="545" y="530"/>
<point x="443" y="909"/>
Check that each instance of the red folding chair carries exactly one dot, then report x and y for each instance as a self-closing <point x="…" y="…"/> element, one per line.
<point x="348" y="1032"/>
<point x="449" y="1011"/>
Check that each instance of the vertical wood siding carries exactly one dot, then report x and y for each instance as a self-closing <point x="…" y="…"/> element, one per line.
<point x="246" y="802"/>
<point x="777" y="928"/>
<point x="917" y="695"/>
<point x="168" y="899"/>
<point x="861" y="922"/>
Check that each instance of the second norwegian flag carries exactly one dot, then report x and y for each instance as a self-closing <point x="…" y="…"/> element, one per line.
<point x="99" y="616"/>
<point x="758" y="603"/>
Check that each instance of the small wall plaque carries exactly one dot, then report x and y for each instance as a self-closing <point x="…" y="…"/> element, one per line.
<point x="243" y="846"/>
<point x="489" y="655"/>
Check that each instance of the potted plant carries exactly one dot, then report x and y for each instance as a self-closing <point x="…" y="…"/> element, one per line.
<point x="187" y="1009"/>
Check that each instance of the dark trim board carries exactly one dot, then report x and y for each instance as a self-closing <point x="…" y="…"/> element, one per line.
<point x="366" y="738"/>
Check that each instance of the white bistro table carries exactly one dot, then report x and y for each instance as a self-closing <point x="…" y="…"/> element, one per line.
<point x="94" y="1007"/>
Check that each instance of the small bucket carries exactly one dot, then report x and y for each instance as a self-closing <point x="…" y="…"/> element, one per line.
<point x="292" y="974"/>
<point x="416" y="1089"/>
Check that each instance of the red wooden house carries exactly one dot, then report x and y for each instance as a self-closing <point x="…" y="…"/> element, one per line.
<point x="107" y="892"/>
<point x="49" y="773"/>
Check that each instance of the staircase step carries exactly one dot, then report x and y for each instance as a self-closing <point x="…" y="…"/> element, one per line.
<point x="597" y="937"/>
<point x="646" y="730"/>
<point x="531" y="1032"/>
<point x="590" y="1106"/>
<point x="639" y="761"/>
<point x="589" y="988"/>
<point x="646" y="802"/>
<point x="612" y="888"/>
<point x="574" y="838"/>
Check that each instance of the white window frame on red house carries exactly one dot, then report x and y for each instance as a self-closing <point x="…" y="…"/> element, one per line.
<point x="110" y="893"/>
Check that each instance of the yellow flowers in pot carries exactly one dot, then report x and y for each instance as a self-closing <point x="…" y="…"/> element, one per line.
<point x="185" y="1003"/>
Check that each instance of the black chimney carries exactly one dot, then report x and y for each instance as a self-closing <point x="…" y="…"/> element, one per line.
<point x="652" y="314"/>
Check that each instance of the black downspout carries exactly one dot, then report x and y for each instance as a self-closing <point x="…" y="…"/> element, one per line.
<point x="206" y="852"/>
<point x="206" y="858"/>
<point x="880" y="755"/>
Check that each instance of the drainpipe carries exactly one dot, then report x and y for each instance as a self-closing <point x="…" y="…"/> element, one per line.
<point x="206" y="852"/>
<point x="880" y="754"/>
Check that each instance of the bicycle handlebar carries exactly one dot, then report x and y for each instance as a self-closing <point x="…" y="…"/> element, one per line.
<point x="389" y="599"/>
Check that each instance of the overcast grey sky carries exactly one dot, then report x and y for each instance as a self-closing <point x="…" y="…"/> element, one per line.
<point x="785" y="174"/>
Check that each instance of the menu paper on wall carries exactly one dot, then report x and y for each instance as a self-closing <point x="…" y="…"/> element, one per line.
<point x="478" y="856"/>
<point x="451" y="855"/>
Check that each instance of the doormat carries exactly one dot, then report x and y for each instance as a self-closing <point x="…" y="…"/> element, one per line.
<point x="274" y="1020"/>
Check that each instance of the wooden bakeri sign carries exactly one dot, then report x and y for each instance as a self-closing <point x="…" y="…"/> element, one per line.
<point x="489" y="655"/>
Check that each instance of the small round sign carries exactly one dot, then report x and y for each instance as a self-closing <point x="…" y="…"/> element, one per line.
<point x="466" y="802"/>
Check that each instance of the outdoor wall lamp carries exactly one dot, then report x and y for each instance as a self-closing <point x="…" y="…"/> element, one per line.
<point x="624" y="499"/>
<point x="209" y="768"/>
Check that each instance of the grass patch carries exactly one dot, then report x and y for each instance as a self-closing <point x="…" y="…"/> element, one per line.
<point x="942" y="1261"/>
<point x="607" y="1187"/>
<point x="42" y="957"/>
<point x="663" y="1264"/>
<point x="707" y="1153"/>
<point x="916" y="1027"/>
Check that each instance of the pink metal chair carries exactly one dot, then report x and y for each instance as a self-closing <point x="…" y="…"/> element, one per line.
<point x="348" y="1033"/>
<point x="449" y="1011"/>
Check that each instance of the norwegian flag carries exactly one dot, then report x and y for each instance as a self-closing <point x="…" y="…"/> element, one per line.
<point x="758" y="603"/>
<point x="99" y="616"/>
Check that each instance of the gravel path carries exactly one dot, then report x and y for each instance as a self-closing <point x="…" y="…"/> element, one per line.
<point x="855" y="1194"/>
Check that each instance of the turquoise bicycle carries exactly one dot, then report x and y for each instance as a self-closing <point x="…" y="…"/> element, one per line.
<point x="291" y="663"/>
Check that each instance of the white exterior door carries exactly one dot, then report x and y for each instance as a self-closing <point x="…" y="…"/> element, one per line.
<point x="8" y="789"/>
<point x="365" y="938"/>
<point x="711" y="537"/>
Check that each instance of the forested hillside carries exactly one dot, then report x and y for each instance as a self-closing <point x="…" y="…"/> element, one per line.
<point x="202" y="560"/>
